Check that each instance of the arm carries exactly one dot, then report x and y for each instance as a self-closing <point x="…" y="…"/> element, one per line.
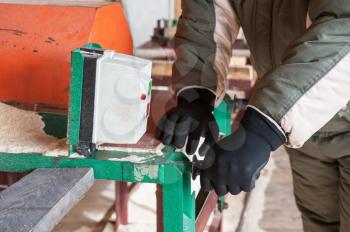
<point x="313" y="82"/>
<point x="203" y="44"/>
<point x="294" y="100"/>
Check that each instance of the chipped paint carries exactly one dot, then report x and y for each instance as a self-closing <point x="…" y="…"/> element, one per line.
<point x="131" y="158"/>
<point x="150" y="171"/>
<point x="157" y="150"/>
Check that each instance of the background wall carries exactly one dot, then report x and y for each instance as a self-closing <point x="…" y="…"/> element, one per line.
<point x="143" y="15"/>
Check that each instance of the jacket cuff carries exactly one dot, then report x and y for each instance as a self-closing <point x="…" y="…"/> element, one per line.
<point x="262" y="125"/>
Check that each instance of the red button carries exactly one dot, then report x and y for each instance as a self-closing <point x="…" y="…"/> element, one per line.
<point x="143" y="97"/>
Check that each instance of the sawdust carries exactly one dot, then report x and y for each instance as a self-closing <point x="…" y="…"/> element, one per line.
<point x="157" y="150"/>
<point x="135" y="158"/>
<point x="130" y="158"/>
<point x="22" y="132"/>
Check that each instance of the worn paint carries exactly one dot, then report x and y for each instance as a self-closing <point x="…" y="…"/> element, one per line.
<point x="130" y="158"/>
<point x="157" y="150"/>
<point x="151" y="171"/>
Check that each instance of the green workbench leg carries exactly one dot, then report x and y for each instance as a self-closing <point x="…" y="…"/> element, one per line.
<point x="189" y="204"/>
<point x="173" y="207"/>
<point x="179" y="205"/>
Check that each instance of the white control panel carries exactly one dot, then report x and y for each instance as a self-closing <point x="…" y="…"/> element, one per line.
<point x="122" y="98"/>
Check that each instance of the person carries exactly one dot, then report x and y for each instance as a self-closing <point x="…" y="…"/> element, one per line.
<point x="299" y="101"/>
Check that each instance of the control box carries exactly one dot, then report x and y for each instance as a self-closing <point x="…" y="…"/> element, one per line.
<point x="110" y="98"/>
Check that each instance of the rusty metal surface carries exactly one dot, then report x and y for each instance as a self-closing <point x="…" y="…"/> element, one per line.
<point x="121" y="202"/>
<point x="206" y="203"/>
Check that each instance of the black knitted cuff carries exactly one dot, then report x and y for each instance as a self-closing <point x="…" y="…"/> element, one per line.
<point x="260" y="125"/>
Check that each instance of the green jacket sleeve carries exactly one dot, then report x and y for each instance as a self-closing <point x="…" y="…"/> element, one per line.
<point x="313" y="81"/>
<point x="203" y="45"/>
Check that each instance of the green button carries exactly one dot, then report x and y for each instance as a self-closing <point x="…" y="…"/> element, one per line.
<point x="150" y="88"/>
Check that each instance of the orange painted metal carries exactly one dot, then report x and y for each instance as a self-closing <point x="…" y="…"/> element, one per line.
<point x="36" y="43"/>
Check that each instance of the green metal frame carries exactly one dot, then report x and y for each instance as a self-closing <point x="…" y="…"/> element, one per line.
<point x="171" y="170"/>
<point x="75" y="99"/>
<point x="76" y="92"/>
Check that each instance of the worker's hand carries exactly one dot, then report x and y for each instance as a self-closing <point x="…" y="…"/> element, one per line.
<point x="240" y="157"/>
<point x="190" y="120"/>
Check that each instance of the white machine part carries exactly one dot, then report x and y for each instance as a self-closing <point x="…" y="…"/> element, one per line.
<point x="122" y="98"/>
<point x="195" y="183"/>
<point x="196" y="153"/>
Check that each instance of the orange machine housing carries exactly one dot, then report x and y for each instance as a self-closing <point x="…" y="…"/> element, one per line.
<point x="36" y="40"/>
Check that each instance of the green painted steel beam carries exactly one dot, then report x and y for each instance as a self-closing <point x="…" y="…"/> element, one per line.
<point x="75" y="99"/>
<point x="106" y="165"/>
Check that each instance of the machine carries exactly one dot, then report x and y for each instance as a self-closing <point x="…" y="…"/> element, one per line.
<point x="36" y="40"/>
<point x="110" y="98"/>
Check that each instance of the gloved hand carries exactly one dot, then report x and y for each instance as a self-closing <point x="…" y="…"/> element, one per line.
<point x="191" y="119"/>
<point x="240" y="157"/>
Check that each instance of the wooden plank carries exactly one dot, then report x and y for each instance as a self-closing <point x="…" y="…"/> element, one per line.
<point x="87" y="3"/>
<point x="41" y="199"/>
<point x="177" y="7"/>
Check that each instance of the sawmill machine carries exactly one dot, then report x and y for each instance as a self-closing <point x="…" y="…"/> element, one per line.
<point x="109" y="90"/>
<point x="36" y="40"/>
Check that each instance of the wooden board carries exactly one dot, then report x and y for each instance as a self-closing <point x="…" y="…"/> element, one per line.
<point x="88" y="3"/>
<point x="41" y="199"/>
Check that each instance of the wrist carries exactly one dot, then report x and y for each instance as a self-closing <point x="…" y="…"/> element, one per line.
<point x="198" y="97"/>
<point x="257" y="123"/>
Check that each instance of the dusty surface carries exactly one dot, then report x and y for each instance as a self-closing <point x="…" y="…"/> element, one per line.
<point x="22" y="132"/>
<point x="90" y="214"/>
<point x="232" y="215"/>
<point x="93" y="213"/>
<point x="280" y="212"/>
<point x="271" y="206"/>
<point x="147" y="144"/>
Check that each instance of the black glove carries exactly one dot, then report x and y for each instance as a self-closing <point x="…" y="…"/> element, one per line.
<point x="192" y="118"/>
<point x="240" y="157"/>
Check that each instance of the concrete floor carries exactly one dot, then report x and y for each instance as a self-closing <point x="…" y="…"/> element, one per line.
<point x="271" y="206"/>
<point x="91" y="213"/>
<point x="280" y="212"/>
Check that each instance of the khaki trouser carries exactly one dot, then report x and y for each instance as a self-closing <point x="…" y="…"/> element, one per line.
<point x="321" y="174"/>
